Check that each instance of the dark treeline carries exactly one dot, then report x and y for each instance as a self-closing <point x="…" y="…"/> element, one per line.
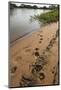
<point x="12" y="6"/>
<point x="28" y="6"/>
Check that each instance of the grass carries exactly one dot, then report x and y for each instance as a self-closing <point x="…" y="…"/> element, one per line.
<point x="48" y="17"/>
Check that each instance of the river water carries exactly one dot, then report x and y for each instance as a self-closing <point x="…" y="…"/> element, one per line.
<point x="20" y="22"/>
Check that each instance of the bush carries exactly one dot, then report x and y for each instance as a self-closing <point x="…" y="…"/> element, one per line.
<point x="51" y="16"/>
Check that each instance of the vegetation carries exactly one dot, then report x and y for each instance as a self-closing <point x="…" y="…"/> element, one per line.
<point x="51" y="16"/>
<point x="30" y="6"/>
<point x="11" y="6"/>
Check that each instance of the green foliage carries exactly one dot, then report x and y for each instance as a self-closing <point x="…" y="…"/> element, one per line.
<point x="51" y="16"/>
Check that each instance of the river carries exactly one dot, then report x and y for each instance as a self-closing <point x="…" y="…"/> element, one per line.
<point x="20" y="22"/>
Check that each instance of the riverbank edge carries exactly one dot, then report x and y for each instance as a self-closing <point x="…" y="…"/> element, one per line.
<point x="29" y="33"/>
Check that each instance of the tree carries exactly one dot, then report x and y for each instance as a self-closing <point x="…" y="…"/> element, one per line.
<point x="44" y="7"/>
<point x="52" y="6"/>
<point x="35" y="7"/>
<point x="12" y="5"/>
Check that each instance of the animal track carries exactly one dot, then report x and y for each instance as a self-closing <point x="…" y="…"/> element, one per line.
<point x="41" y="76"/>
<point x="40" y="41"/>
<point x="27" y="81"/>
<point x="51" y="42"/>
<point x="36" y="53"/>
<point x="41" y="38"/>
<point x="41" y="35"/>
<point x="13" y="70"/>
<point x="38" y="65"/>
<point x="36" y="49"/>
<point x="36" y="68"/>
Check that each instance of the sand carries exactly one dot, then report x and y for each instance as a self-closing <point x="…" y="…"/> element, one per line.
<point x="34" y="58"/>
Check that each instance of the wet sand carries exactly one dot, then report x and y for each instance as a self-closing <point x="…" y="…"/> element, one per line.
<point x="34" y="58"/>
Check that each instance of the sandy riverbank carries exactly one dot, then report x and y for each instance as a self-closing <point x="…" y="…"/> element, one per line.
<point x="34" y="59"/>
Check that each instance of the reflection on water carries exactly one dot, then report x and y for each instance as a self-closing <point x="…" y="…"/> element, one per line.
<point x="20" y="22"/>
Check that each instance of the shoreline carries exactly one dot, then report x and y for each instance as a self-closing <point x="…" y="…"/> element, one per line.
<point x="28" y="33"/>
<point x="34" y="58"/>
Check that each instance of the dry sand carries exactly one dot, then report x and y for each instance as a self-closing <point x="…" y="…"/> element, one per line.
<point x="34" y="58"/>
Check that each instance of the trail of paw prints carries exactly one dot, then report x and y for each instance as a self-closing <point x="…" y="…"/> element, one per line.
<point x="37" y="67"/>
<point x="41" y="38"/>
<point x="51" y="43"/>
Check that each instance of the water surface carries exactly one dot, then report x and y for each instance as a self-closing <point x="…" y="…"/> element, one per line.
<point x="20" y="22"/>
